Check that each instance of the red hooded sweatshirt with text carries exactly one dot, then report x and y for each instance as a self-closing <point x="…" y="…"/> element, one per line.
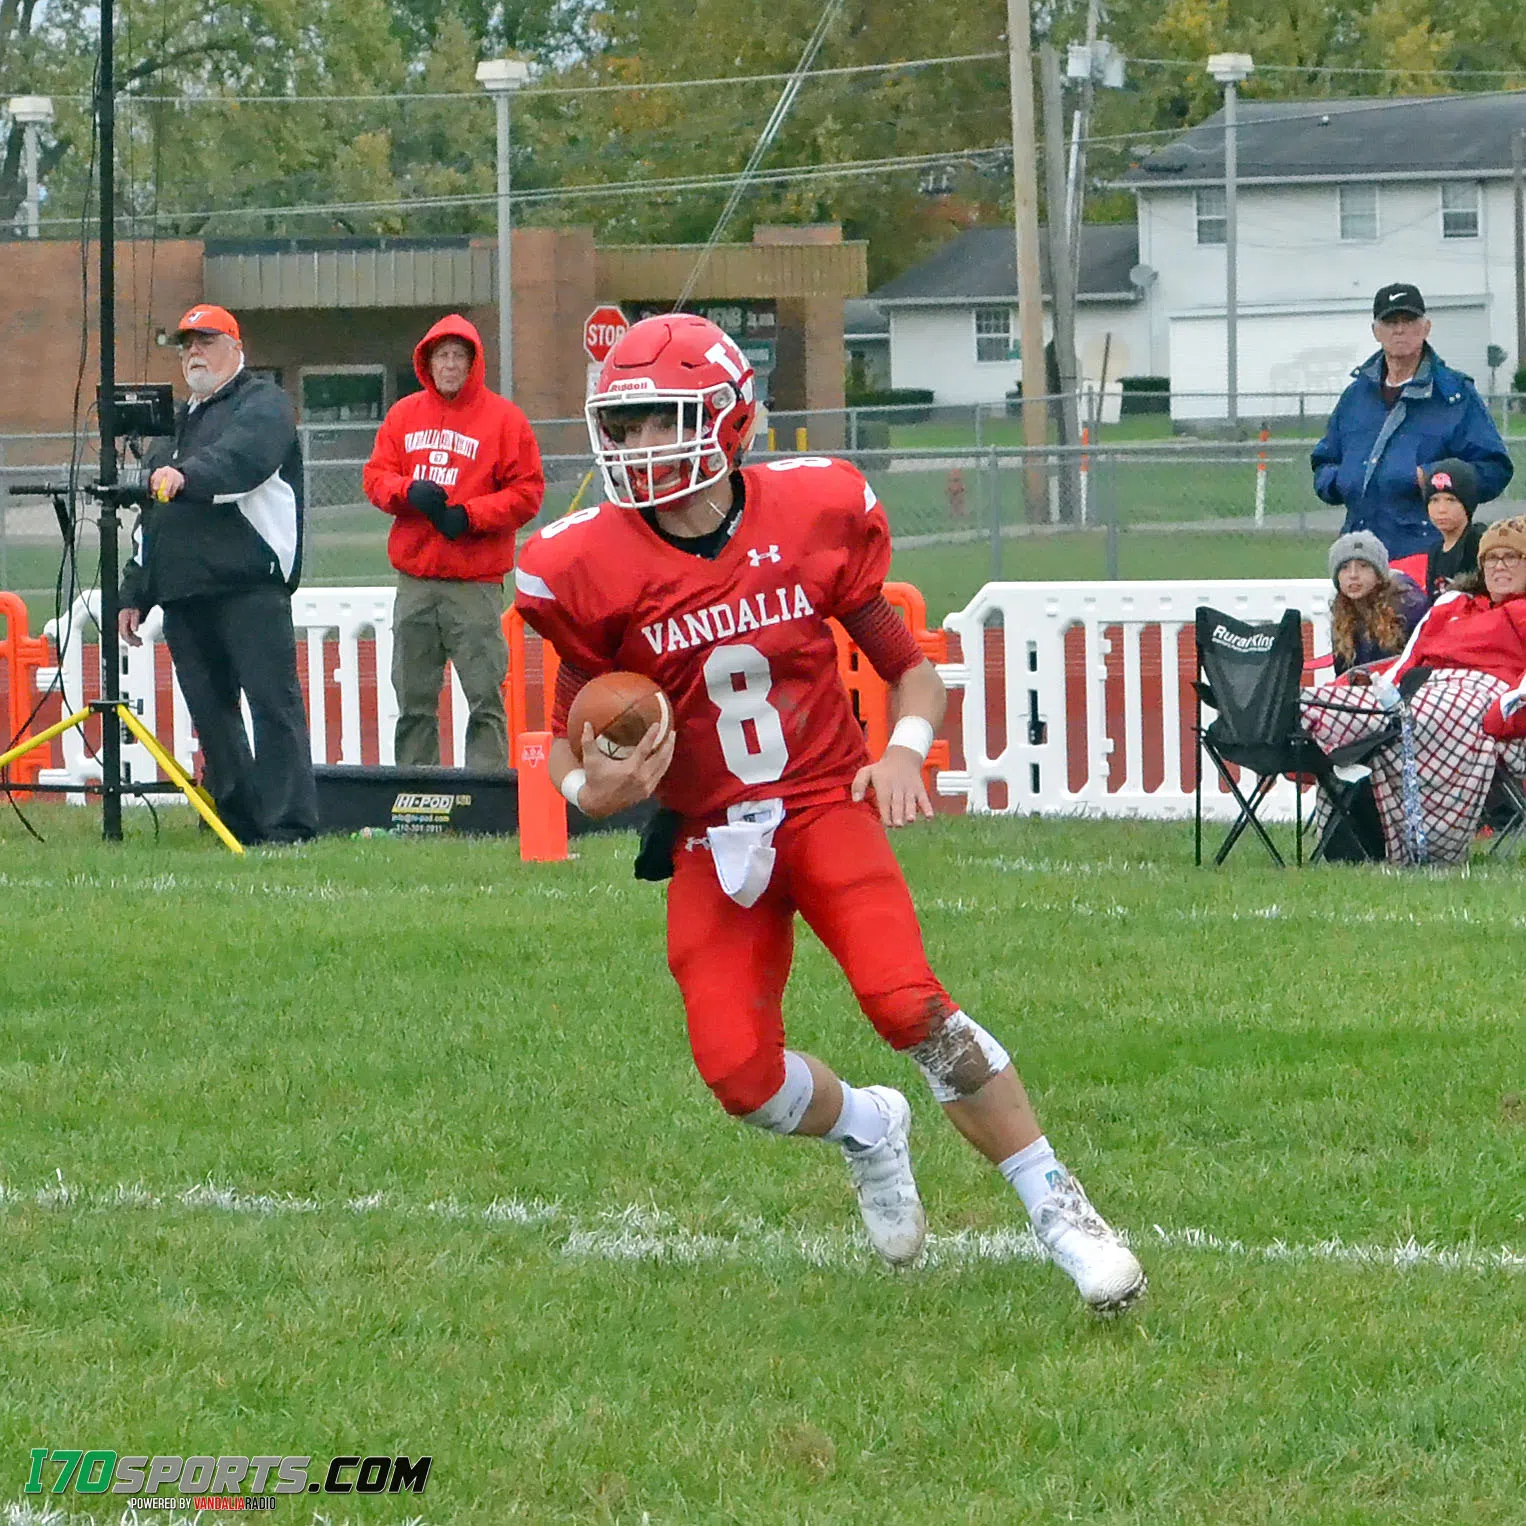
<point x="478" y="446"/>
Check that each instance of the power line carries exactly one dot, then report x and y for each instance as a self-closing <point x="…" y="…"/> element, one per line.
<point x="531" y="92"/>
<point x="844" y="169"/>
<point x="764" y="143"/>
<point x="1389" y="73"/>
<point x="1317" y="107"/>
<point x="637" y="86"/>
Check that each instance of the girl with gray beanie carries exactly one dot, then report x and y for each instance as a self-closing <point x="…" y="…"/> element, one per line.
<point x="1375" y="608"/>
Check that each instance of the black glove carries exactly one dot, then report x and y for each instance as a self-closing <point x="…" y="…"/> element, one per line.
<point x="451" y="521"/>
<point x="429" y="499"/>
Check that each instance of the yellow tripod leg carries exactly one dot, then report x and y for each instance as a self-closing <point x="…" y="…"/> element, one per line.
<point x="577" y="497"/>
<point x="173" y="769"/>
<point x="77" y="719"/>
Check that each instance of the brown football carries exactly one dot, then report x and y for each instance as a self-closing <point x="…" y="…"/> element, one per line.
<point x="620" y="707"/>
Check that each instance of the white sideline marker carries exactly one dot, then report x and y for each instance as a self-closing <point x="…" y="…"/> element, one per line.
<point x="640" y="1232"/>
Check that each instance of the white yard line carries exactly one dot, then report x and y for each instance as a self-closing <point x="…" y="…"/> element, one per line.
<point x="646" y="1233"/>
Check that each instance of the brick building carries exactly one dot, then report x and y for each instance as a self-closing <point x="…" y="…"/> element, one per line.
<point x="336" y="321"/>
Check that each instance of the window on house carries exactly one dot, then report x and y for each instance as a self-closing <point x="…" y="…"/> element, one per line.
<point x="1211" y="224"/>
<point x="993" y="333"/>
<point x="1358" y="213"/>
<point x="1459" y="210"/>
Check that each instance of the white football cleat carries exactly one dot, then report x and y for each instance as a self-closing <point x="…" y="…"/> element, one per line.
<point x="1085" y="1247"/>
<point x="887" y="1191"/>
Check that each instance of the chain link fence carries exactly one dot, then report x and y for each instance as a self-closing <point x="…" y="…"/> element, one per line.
<point x="968" y="503"/>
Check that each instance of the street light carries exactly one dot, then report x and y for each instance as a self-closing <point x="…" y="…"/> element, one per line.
<point x="501" y="77"/>
<point x="32" y="111"/>
<point x="1229" y="69"/>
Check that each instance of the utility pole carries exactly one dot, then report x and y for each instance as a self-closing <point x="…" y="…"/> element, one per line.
<point x="1025" y="208"/>
<point x="1061" y="283"/>
<point x="1518" y="186"/>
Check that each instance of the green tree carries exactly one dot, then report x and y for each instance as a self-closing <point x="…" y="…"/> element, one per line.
<point x="711" y="130"/>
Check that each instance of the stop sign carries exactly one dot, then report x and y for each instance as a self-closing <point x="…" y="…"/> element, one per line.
<point x="602" y="331"/>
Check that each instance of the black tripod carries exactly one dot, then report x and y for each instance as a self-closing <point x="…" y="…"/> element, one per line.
<point x="111" y="707"/>
<point x="111" y="496"/>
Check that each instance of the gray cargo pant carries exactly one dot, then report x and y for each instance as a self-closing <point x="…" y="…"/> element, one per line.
<point x="436" y="620"/>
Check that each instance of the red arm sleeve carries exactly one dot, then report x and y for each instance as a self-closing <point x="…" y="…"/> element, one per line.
<point x="518" y="501"/>
<point x="569" y="680"/>
<point x="383" y="479"/>
<point x="881" y="635"/>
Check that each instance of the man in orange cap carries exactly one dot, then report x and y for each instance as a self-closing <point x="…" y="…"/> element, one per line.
<point x="220" y="549"/>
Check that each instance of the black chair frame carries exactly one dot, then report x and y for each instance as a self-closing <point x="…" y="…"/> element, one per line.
<point x="1287" y="751"/>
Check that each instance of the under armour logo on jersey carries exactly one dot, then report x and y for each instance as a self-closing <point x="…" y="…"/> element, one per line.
<point x="757" y="558"/>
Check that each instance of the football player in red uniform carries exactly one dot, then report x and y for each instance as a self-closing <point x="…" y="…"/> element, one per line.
<point x="717" y="582"/>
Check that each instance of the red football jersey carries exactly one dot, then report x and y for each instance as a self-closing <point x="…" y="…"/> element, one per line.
<point x="740" y="644"/>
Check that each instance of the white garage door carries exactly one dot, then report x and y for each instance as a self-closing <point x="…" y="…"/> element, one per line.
<point x="1300" y="362"/>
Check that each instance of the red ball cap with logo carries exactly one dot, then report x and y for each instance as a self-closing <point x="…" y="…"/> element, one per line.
<point x="207" y="319"/>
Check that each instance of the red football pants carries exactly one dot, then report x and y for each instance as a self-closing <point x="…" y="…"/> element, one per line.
<point x="836" y="868"/>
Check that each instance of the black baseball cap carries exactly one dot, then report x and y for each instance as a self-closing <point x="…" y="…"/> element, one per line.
<point x="1400" y="297"/>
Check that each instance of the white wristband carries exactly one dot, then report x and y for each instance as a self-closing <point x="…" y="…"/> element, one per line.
<point x="572" y="785"/>
<point x="914" y="732"/>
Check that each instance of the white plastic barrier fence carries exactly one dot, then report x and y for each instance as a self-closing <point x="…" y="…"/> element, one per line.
<point x="1106" y="739"/>
<point x="342" y="616"/>
<point x="1063" y="732"/>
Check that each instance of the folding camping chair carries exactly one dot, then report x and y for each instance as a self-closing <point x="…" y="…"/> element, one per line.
<point x="1505" y="810"/>
<point x="1250" y="675"/>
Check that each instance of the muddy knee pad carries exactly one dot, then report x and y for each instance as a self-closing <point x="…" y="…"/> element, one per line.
<point x="782" y="1112"/>
<point x="958" y="1058"/>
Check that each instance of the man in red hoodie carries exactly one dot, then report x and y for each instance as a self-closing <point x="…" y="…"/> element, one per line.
<point x="457" y="467"/>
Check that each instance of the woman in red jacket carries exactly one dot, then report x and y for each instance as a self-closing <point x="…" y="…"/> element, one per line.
<point x="1473" y="643"/>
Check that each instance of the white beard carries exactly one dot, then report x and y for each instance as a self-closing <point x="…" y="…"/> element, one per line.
<point x="201" y="382"/>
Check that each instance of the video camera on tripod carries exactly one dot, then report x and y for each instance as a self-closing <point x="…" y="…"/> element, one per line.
<point x="140" y="410"/>
<point x="131" y="412"/>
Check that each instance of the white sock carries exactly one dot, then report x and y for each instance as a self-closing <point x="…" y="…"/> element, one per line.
<point x="1033" y="1172"/>
<point x="861" y="1124"/>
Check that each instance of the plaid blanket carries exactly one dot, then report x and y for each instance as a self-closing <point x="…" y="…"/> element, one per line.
<point x="1454" y="760"/>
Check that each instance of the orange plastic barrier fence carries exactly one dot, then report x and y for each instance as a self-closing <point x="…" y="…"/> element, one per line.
<point x="870" y="693"/>
<point x="542" y="811"/>
<point x="516" y="687"/>
<point x="22" y="655"/>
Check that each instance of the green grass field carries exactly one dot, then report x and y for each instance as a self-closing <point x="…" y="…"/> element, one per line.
<point x="394" y="1147"/>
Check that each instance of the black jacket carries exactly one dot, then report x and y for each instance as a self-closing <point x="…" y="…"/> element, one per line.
<point x="1442" y="566"/>
<point x="237" y="522"/>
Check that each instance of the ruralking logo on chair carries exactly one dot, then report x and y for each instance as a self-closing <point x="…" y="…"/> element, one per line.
<point x="1257" y="641"/>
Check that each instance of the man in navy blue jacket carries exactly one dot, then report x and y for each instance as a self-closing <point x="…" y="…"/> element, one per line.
<point x="1404" y="410"/>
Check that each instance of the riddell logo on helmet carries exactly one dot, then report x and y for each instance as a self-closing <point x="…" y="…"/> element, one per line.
<point x="633" y="384"/>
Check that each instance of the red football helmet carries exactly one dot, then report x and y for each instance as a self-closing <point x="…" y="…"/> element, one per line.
<point x="680" y="365"/>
